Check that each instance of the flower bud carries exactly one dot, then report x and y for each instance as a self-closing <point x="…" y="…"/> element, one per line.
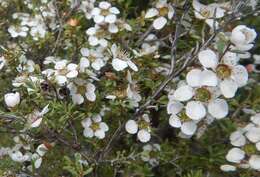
<point x="12" y="99"/>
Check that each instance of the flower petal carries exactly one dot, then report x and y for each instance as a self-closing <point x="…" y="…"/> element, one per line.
<point x="114" y="10"/>
<point x="208" y="58"/>
<point x="111" y="18"/>
<point x="119" y="65"/>
<point x="183" y="93"/>
<point x="131" y="127"/>
<point x="159" y="23"/>
<point x="237" y="139"/>
<point x="235" y="155"/>
<point x="174" y="107"/>
<point x="174" y="121"/>
<point x="104" y="126"/>
<point x="209" y="78"/>
<point x="151" y="13"/>
<point x="195" y="110"/>
<point x="77" y="99"/>
<point x="218" y="108"/>
<point x="254" y="162"/>
<point x="100" y="134"/>
<point x="144" y="136"/>
<point x="189" y="128"/>
<point x="132" y="65"/>
<point x="240" y="75"/>
<point x="99" y="19"/>
<point x="88" y="132"/>
<point x="228" y="88"/>
<point x="228" y="168"/>
<point x="193" y="78"/>
<point x="112" y="28"/>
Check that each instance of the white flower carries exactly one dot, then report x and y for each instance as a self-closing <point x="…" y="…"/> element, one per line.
<point x="63" y="71"/>
<point x="18" y="156"/>
<point x="41" y="150"/>
<point x="149" y="46"/>
<point x="93" y="126"/>
<point x="243" y="37"/>
<point x="12" y="99"/>
<point x="37" y="157"/>
<point x="104" y="13"/>
<point x="235" y="155"/>
<point x="80" y="89"/>
<point x="87" y="6"/>
<point x="121" y="59"/>
<point x="254" y="162"/>
<point x="162" y="9"/>
<point x="204" y="96"/>
<point x="18" y="31"/>
<point x="187" y="127"/>
<point x="231" y="75"/>
<point x="208" y="12"/>
<point x="93" y="56"/>
<point x="38" y="32"/>
<point x="37" y="160"/>
<point x="228" y="168"/>
<point x="97" y="36"/>
<point x="35" y="118"/>
<point x="148" y="154"/>
<point x="141" y="127"/>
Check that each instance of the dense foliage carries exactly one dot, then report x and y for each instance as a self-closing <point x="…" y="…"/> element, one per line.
<point x="130" y="88"/>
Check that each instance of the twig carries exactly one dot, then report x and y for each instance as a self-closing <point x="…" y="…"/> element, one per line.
<point x="144" y="35"/>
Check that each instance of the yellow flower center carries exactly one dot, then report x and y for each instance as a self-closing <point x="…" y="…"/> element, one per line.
<point x="205" y="12"/>
<point x="250" y="149"/>
<point x="91" y="58"/>
<point x="202" y="94"/>
<point x="123" y="54"/>
<point x="142" y="124"/>
<point x="81" y="89"/>
<point x="63" y="71"/>
<point x="95" y="126"/>
<point x="163" y="11"/>
<point x="183" y="117"/>
<point x="223" y="71"/>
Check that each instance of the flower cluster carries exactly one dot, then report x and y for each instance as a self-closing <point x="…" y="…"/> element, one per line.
<point x="246" y="147"/>
<point x="106" y="24"/>
<point x="71" y="70"/>
<point x="23" y="152"/>
<point x="34" y="25"/>
<point x="206" y="88"/>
